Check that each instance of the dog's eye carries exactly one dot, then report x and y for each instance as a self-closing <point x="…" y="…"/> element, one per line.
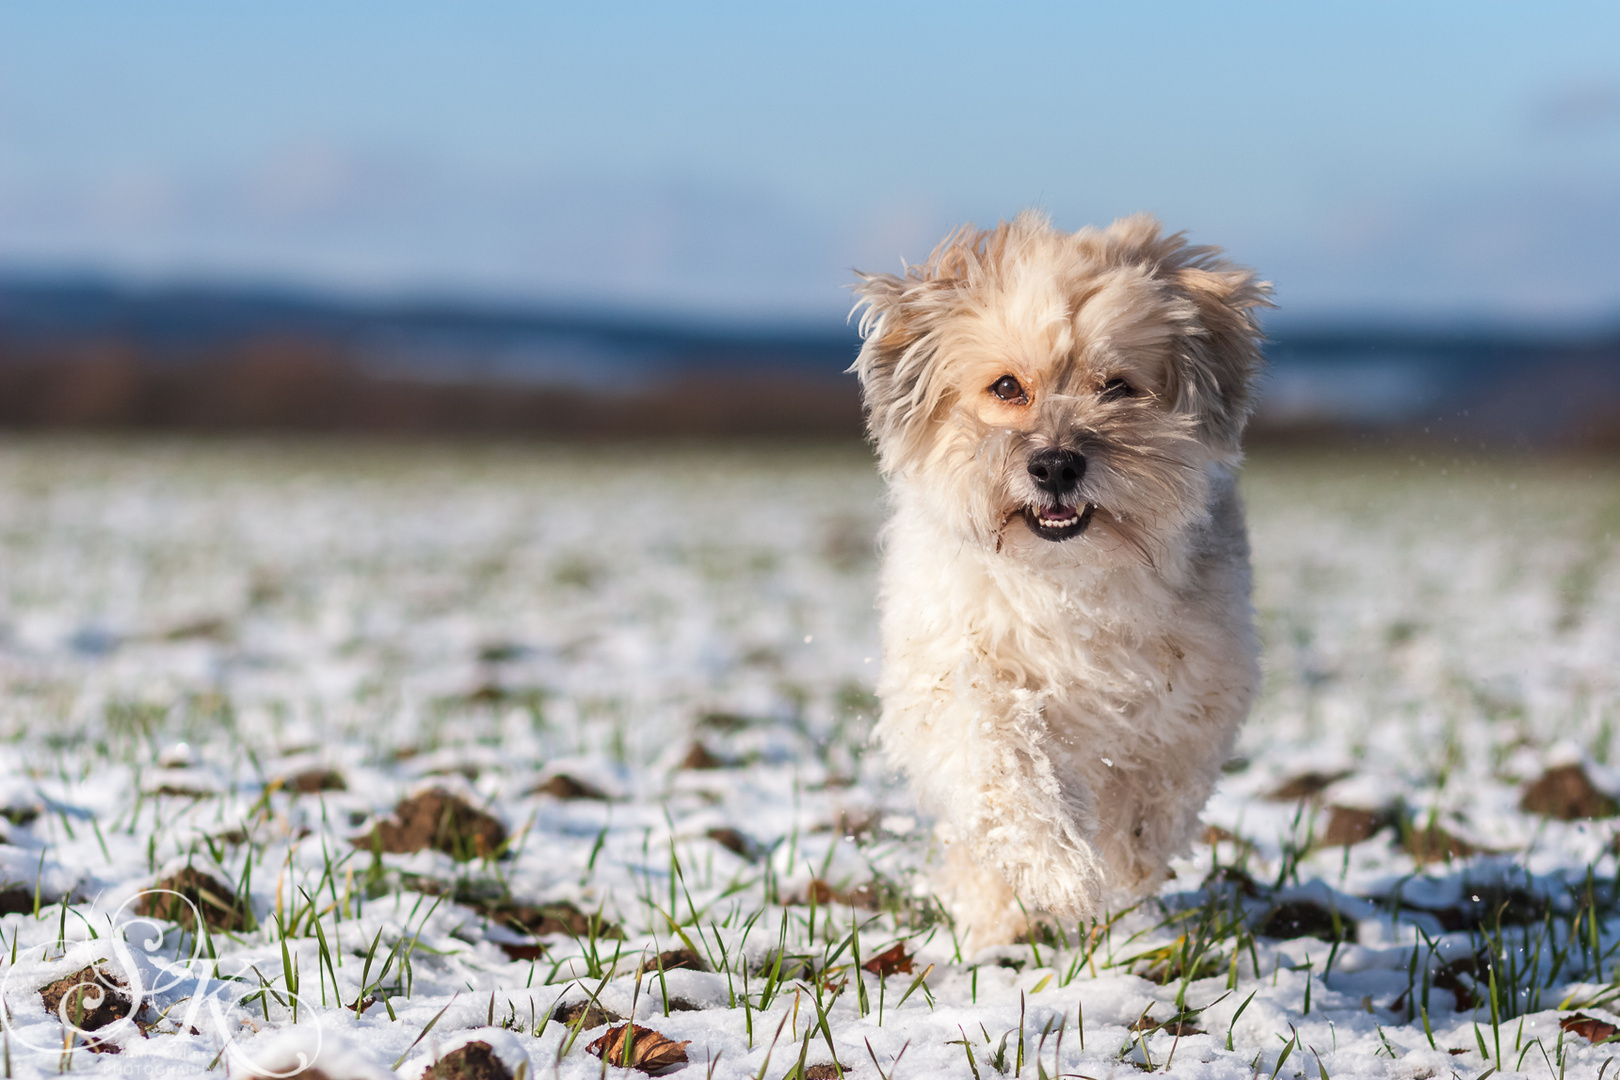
<point x="1114" y="389"/>
<point x="1008" y="388"/>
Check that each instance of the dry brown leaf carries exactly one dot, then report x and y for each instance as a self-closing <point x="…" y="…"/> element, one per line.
<point x="822" y="892"/>
<point x="891" y="960"/>
<point x="1214" y="834"/>
<point x="1589" y="1028"/>
<point x="649" y="1051"/>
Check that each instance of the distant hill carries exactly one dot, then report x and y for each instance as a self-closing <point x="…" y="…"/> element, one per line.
<point x="91" y="354"/>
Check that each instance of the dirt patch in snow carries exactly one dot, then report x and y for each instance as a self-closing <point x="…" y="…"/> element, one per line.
<point x="439" y="820"/>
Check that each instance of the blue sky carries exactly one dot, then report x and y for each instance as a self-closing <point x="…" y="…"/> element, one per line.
<point x="1427" y="161"/>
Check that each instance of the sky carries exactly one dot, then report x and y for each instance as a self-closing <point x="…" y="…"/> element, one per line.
<point x="1422" y="162"/>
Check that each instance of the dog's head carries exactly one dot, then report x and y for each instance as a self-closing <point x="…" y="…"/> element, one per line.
<point x="1061" y="385"/>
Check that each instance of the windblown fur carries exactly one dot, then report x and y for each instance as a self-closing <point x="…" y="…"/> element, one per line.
<point x="1068" y="643"/>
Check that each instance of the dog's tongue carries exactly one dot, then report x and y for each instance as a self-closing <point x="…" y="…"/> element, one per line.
<point x="1059" y="513"/>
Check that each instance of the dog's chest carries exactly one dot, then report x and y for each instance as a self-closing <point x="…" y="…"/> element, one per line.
<point x="1111" y="637"/>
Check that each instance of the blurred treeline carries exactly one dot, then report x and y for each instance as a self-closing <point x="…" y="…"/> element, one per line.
<point x="95" y="357"/>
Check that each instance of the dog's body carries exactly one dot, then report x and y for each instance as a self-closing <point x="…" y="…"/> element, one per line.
<point x="1068" y="648"/>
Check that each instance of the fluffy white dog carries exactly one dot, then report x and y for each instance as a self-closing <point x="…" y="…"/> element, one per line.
<point x="1068" y="642"/>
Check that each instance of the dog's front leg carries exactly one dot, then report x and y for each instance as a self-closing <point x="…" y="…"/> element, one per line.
<point x="980" y="761"/>
<point x="1027" y="821"/>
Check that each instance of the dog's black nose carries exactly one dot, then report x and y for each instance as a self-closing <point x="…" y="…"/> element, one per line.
<point x="1056" y="471"/>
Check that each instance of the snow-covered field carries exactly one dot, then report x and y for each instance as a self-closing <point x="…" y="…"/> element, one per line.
<point x="225" y="664"/>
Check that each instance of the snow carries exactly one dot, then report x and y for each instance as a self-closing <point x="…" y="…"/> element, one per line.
<point x="204" y="618"/>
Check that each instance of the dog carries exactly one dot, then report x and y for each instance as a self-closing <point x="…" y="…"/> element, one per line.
<point x="1068" y="641"/>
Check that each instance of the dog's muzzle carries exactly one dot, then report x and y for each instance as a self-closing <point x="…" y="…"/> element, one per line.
<point x="1057" y="473"/>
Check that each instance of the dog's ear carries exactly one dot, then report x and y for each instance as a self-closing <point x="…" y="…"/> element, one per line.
<point x="899" y="320"/>
<point x="1220" y="353"/>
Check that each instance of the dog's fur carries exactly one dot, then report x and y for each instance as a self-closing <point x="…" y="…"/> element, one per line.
<point x="1062" y="705"/>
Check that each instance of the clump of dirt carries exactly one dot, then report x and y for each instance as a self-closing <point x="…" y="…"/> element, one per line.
<point x="1169" y="963"/>
<point x="1490" y="907"/>
<point x="825" y="1070"/>
<point x="1348" y="825"/>
<point x="313" y="781"/>
<point x="465" y="770"/>
<point x="205" y="628"/>
<point x="1305" y="918"/>
<point x="738" y="843"/>
<point x="730" y="723"/>
<point x="1430" y="843"/>
<point x="16" y="900"/>
<point x="94" y="999"/>
<point x="563" y="786"/>
<point x="216" y="900"/>
<point x="522" y="950"/>
<point x="1567" y="794"/>
<point x="1463" y="978"/>
<point x="585" y="1015"/>
<point x="311" y="1073"/>
<point x="21" y="813"/>
<point x="1304" y="786"/>
<point x="501" y="652"/>
<point x="474" y="1061"/>
<point x="181" y="791"/>
<point x="494" y="694"/>
<point x="543" y="919"/>
<point x="439" y="820"/>
<point x="1039" y="930"/>
<point x="1231" y="878"/>
<point x="673" y="960"/>
<point x="647" y="1050"/>
<point x="1175" y="1026"/>
<point x="701" y="757"/>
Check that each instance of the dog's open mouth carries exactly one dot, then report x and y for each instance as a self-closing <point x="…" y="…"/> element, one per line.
<point x="1058" y="522"/>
